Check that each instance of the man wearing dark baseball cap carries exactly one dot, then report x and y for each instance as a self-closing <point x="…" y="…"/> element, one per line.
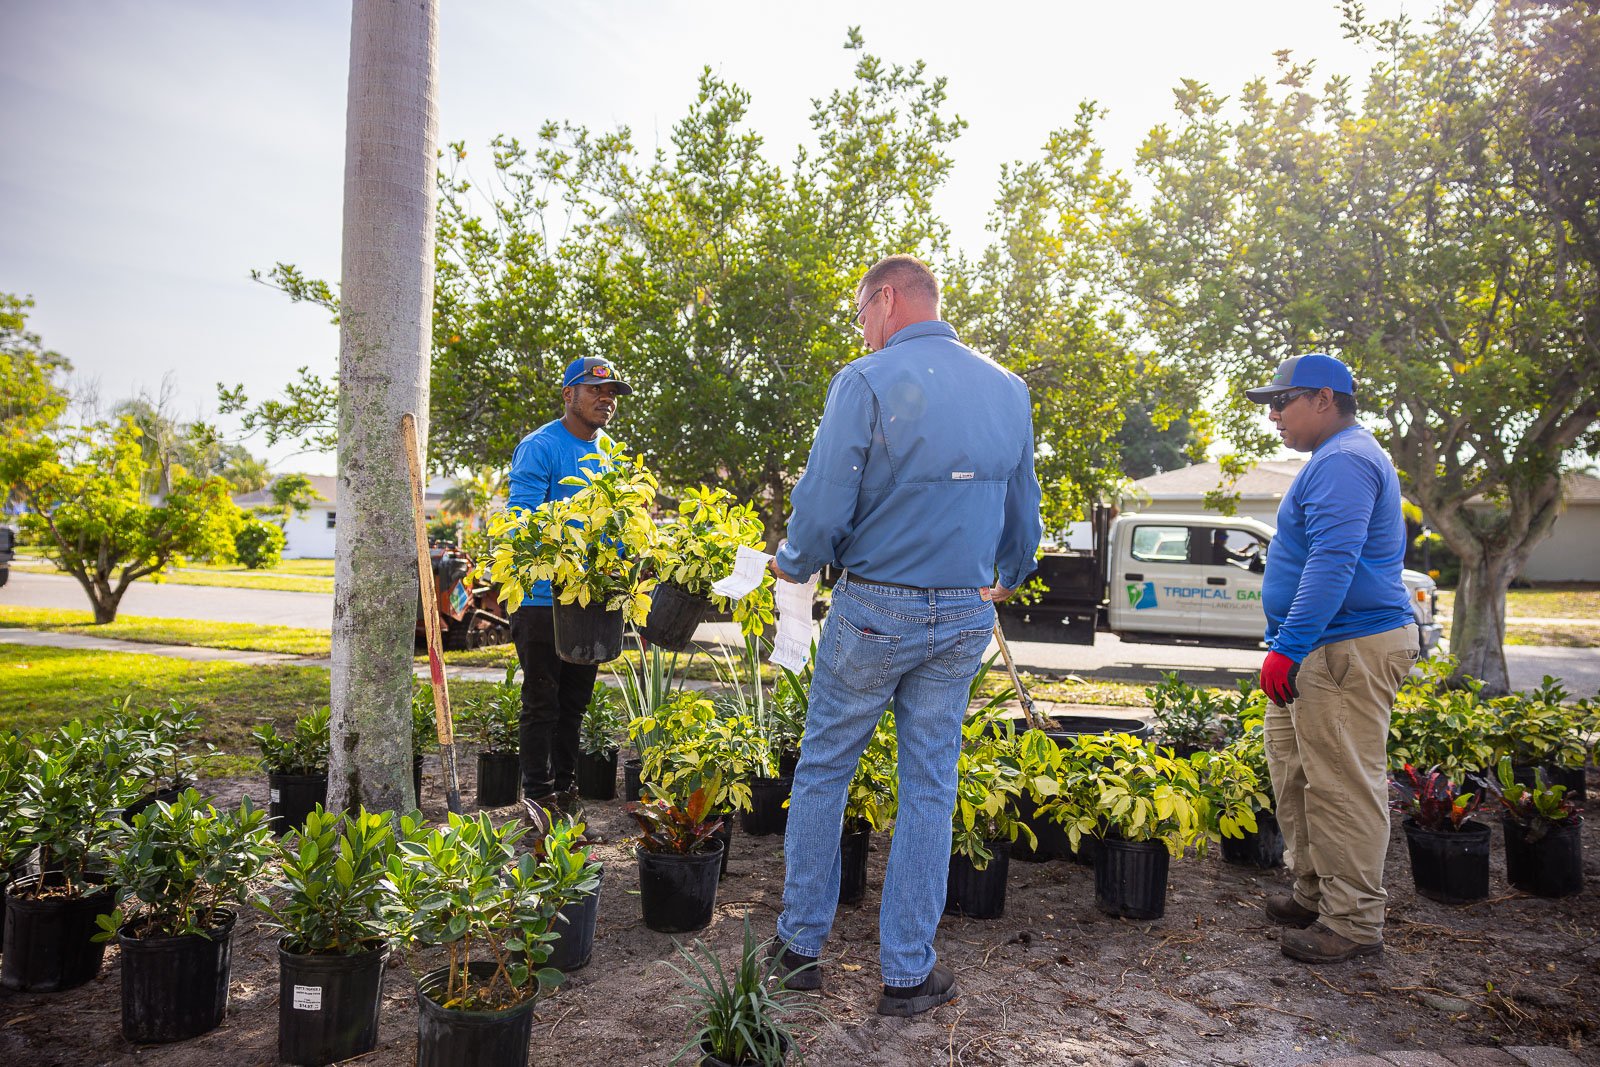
<point x="1341" y="639"/>
<point x="556" y="693"/>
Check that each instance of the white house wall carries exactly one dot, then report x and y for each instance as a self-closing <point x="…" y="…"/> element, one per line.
<point x="1572" y="551"/>
<point x="308" y="536"/>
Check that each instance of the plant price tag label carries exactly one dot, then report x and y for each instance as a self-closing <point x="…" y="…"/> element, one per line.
<point x="307" y="998"/>
<point x="275" y="796"/>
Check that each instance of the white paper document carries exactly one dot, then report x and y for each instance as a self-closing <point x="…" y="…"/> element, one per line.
<point x="749" y="567"/>
<point x="791" y="645"/>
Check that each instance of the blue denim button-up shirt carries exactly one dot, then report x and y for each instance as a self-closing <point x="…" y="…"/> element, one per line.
<point x="921" y="473"/>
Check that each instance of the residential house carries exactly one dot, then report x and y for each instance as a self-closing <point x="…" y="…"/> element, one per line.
<point x="311" y="535"/>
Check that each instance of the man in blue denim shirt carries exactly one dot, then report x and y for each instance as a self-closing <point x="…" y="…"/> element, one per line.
<point x="921" y="485"/>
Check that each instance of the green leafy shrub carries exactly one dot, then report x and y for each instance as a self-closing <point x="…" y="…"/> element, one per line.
<point x="1538" y="810"/>
<point x="743" y="1017"/>
<point x="424" y="720"/>
<point x="871" y="800"/>
<point x="303" y="751"/>
<point x="604" y="722"/>
<point x="182" y="864"/>
<point x="698" y="545"/>
<point x="989" y="782"/>
<point x="492" y="720"/>
<point x="257" y="544"/>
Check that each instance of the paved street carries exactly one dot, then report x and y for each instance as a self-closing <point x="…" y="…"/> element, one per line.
<point x="1109" y="657"/>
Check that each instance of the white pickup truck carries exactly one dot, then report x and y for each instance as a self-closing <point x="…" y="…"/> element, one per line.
<point x="1191" y="579"/>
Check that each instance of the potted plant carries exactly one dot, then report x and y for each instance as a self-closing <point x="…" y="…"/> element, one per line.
<point x="297" y="768"/>
<point x="985" y="821"/>
<point x="1187" y="718"/>
<point x="592" y="547"/>
<point x="680" y="859"/>
<point x="1540" y="730"/>
<point x="1041" y="761"/>
<point x="564" y="849"/>
<point x="333" y="906"/>
<point x="68" y="811"/>
<point x="740" y="1020"/>
<point x="869" y="805"/>
<point x="768" y="812"/>
<point x="697" y="548"/>
<point x="1262" y="846"/>
<point x="643" y="692"/>
<point x="157" y="742"/>
<point x="492" y="722"/>
<point x="1449" y="849"/>
<point x="791" y="702"/>
<point x="1143" y="805"/>
<point x="182" y="866"/>
<point x="1436" y="726"/>
<point x="464" y="886"/>
<point x="15" y="752"/>
<point x="696" y="747"/>
<point x="424" y="733"/>
<point x="1543" y="832"/>
<point x="603" y="725"/>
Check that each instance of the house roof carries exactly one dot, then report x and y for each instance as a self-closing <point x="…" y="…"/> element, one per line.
<point x="1271" y="479"/>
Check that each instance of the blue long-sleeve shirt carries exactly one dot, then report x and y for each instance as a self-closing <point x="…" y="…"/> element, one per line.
<point x="921" y="472"/>
<point x="1333" y="572"/>
<point x="542" y="459"/>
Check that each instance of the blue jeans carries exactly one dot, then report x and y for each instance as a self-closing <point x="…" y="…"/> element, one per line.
<point x="920" y="650"/>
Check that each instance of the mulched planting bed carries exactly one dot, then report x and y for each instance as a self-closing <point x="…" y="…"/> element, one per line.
<point x="1052" y="982"/>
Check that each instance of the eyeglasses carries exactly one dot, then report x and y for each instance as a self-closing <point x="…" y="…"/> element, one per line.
<point x="1283" y="400"/>
<point x="862" y="310"/>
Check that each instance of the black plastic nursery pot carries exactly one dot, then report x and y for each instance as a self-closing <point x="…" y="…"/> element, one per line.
<point x="768" y="812"/>
<point x="166" y="796"/>
<point x="499" y="779"/>
<point x="788" y="760"/>
<point x="575" y="924"/>
<point x="1450" y="866"/>
<point x="1574" y="778"/>
<point x="1263" y="848"/>
<point x="175" y="988"/>
<point x="675" y="613"/>
<point x="1130" y="878"/>
<point x="1068" y="728"/>
<point x="48" y="939"/>
<point x="632" y="779"/>
<point x="587" y="635"/>
<point x="328" y="1004"/>
<point x="447" y="1037"/>
<point x="291" y="798"/>
<point x="1552" y="866"/>
<point x="710" y="1059"/>
<point x="1052" y="837"/>
<point x="677" y="893"/>
<point x="978" y="894"/>
<point x="854" y="844"/>
<point x="725" y="835"/>
<point x="597" y="776"/>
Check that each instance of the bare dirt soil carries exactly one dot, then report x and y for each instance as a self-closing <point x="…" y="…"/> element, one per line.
<point x="1053" y="982"/>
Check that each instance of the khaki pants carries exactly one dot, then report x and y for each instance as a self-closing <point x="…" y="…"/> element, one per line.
<point x="1327" y="752"/>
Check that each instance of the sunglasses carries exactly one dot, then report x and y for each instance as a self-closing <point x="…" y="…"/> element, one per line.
<point x="1283" y="400"/>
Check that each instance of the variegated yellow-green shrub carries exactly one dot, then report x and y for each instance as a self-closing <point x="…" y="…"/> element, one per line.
<point x="593" y="547"/>
<point x="698" y="546"/>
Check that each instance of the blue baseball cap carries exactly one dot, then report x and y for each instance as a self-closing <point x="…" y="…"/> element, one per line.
<point x="594" y="370"/>
<point x="1315" y="371"/>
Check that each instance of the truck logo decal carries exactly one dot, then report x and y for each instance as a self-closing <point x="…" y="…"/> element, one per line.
<point x="1143" y="596"/>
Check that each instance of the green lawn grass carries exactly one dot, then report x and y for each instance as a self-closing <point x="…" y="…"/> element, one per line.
<point x="249" y="637"/>
<point x="1572" y="600"/>
<point x="292" y="575"/>
<point x="43" y="687"/>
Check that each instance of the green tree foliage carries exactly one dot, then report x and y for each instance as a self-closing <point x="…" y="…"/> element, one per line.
<point x="32" y="396"/>
<point x="1441" y="232"/>
<point x="90" y="515"/>
<point x="258" y="544"/>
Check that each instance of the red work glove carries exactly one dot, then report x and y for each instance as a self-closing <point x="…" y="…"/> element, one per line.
<point x="1277" y="678"/>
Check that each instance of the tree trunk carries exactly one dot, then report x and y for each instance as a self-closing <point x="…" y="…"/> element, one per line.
<point x="385" y="326"/>
<point x="1478" y="622"/>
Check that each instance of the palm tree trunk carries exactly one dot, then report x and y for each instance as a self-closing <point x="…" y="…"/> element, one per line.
<point x="385" y="325"/>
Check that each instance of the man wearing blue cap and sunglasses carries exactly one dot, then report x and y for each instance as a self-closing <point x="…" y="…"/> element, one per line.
<point x="1341" y="638"/>
<point x="555" y="693"/>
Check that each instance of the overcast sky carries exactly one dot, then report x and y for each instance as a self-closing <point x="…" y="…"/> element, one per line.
<point x="157" y="150"/>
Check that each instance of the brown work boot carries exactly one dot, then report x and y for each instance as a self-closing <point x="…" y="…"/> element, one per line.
<point x="1287" y="911"/>
<point x="1318" y="944"/>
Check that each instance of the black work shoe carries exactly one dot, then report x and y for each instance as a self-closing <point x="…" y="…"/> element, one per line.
<point x="905" y="1001"/>
<point x="1318" y="944"/>
<point x="1287" y="911"/>
<point x="794" y="971"/>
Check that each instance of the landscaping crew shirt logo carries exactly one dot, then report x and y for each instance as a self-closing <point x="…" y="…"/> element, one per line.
<point x="1143" y="596"/>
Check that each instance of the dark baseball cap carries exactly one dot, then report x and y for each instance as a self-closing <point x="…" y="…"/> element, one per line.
<point x="1315" y="371"/>
<point x="594" y="370"/>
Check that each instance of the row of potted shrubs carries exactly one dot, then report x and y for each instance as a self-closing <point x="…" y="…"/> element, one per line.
<point x="512" y="907"/>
